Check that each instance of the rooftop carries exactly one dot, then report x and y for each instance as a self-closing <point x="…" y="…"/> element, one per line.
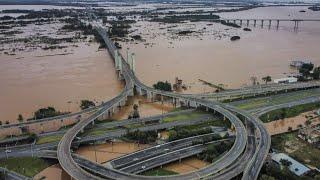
<point x="296" y="167"/>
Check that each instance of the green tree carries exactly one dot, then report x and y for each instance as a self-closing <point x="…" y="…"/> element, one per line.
<point x="164" y="86"/>
<point x="267" y="79"/>
<point x="45" y="113"/>
<point x="305" y="69"/>
<point x="316" y="73"/>
<point x="266" y="177"/>
<point x="285" y="162"/>
<point x="20" y="118"/>
<point x="33" y="136"/>
<point x="85" y="104"/>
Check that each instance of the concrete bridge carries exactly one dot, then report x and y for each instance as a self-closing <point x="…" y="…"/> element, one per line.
<point x="126" y="72"/>
<point x="246" y="145"/>
<point x="268" y="21"/>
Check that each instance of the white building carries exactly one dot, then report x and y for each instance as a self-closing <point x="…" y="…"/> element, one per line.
<point x="296" y="167"/>
<point x="286" y="80"/>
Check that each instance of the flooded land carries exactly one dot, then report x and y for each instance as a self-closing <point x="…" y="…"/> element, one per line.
<point x="62" y="76"/>
<point x="51" y="57"/>
<point x="291" y="124"/>
<point x="209" y="54"/>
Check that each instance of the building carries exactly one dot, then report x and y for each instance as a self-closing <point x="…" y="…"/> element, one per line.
<point x="310" y="134"/>
<point x="286" y="80"/>
<point x="296" y="167"/>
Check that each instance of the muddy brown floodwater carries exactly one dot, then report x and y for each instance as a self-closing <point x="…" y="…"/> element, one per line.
<point x="214" y="58"/>
<point x="61" y="81"/>
<point x="186" y="165"/>
<point x="282" y="126"/>
<point x="103" y="152"/>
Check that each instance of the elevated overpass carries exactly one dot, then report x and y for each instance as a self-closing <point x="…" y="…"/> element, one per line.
<point x="71" y="167"/>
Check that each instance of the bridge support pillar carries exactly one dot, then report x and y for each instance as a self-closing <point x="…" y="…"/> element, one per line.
<point x="269" y="24"/>
<point x="139" y="91"/>
<point x="248" y="22"/>
<point x="193" y="104"/>
<point x="122" y="103"/>
<point x="234" y="21"/>
<point x="262" y="21"/>
<point x="133" y="62"/>
<point x="241" y="22"/>
<point x="254" y="23"/>
<point x="131" y="93"/>
<point x="296" y="25"/>
<point x="120" y="77"/>
<point x="92" y="123"/>
<point x="41" y="127"/>
<point x="128" y="56"/>
<point x="62" y="123"/>
<point x="278" y="22"/>
<point x="116" y="59"/>
<point x="150" y="95"/>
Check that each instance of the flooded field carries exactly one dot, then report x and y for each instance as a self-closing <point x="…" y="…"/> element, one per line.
<point x="35" y="80"/>
<point x="282" y="126"/>
<point x="210" y="55"/>
<point x="103" y="152"/>
<point x="60" y="81"/>
<point x="145" y="107"/>
<point x="186" y="165"/>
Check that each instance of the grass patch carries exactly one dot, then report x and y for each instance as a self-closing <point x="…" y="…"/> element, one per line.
<point x="188" y="116"/>
<point x="27" y="166"/>
<point x="296" y="148"/>
<point x="49" y="139"/>
<point x="254" y="103"/>
<point x="178" y="109"/>
<point x="214" y="122"/>
<point x="98" y="132"/>
<point x="159" y="172"/>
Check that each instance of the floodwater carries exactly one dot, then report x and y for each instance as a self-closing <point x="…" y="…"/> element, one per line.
<point x="109" y="151"/>
<point x="145" y="107"/>
<point x="282" y="126"/>
<point x="103" y="152"/>
<point x="214" y="58"/>
<point x="61" y="81"/>
<point x="186" y="165"/>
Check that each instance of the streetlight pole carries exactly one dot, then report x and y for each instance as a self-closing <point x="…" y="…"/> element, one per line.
<point x="6" y="151"/>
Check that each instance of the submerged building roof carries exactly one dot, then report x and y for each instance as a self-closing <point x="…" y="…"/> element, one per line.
<point x="296" y="167"/>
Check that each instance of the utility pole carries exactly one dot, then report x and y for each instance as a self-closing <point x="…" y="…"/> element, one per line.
<point x="6" y="151"/>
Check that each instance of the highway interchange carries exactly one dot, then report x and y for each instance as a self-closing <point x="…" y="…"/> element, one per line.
<point x="247" y="155"/>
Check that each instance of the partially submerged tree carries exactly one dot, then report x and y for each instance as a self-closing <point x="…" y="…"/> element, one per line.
<point x="20" y="118"/>
<point x="85" y="104"/>
<point x="267" y="79"/>
<point x="164" y="86"/>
